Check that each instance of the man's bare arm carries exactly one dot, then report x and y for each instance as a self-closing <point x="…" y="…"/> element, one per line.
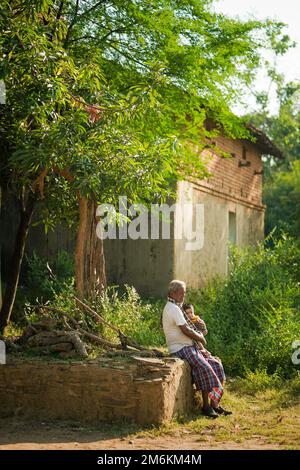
<point x="192" y="334"/>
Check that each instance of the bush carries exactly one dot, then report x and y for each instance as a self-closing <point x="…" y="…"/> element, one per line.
<point x="258" y="381"/>
<point x="254" y="315"/>
<point x="123" y="308"/>
<point x="138" y="319"/>
<point x="282" y="197"/>
<point x="39" y="285"/>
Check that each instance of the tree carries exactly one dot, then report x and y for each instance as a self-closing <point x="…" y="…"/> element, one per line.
<point x="105" y="98"/>
<point x="281" y="191"/>
<point x="282" y="197"/>
<point x="284" y="127"/>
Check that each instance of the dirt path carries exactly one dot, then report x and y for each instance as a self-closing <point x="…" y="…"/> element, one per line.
<point x="21" y="436"/>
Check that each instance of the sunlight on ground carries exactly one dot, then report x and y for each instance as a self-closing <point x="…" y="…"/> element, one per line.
<point x="270" y="416"/>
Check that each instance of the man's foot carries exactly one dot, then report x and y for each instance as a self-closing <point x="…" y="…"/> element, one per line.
<point x="221" y="411"/>
<point x="210" y="412"/>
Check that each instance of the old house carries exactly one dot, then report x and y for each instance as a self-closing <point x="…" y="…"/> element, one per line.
<point x="230" y="210"/>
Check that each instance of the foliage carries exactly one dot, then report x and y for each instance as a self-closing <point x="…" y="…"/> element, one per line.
<point x="253" y="316"/>
<point x="258" y="380"/>
<point x="283" y="128"/>
<point x="282" y="197"/>
<point x="107" y="97"/>
<point x="282" y="177"/>
<point x="43" y="281"/>
<point x="138" y="319"/>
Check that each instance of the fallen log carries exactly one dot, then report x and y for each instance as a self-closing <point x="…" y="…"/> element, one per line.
<point x="59" y="347"/>
<point x="57" y="340"/>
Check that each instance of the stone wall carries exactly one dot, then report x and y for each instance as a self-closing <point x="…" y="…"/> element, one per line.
<point x="145" y="391"/>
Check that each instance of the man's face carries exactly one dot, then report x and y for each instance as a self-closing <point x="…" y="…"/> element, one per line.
<point x="179" y="295"/>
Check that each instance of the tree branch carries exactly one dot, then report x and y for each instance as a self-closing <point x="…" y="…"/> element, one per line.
<point x="73" y="22"/>
<point x="126" y="55"/>
<point x="94" y="7"/>
<point x="94" y="338"/>
<point x="118" y="30"/>
<point x="98" y="40"/>
<point x="81" y="38"/>
<point x="58" y="15"/>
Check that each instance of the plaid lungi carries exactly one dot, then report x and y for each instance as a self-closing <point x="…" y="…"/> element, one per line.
<point x="208" y="373"/>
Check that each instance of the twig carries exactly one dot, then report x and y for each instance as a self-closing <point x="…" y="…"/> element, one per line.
<point x="95" y="338"/>
<point x="125" y="341"/>
<point x="97" y="316"/>
<point x="123" y="338"/>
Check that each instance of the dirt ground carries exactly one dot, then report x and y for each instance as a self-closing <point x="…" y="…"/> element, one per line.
<point x="24" y="436"/>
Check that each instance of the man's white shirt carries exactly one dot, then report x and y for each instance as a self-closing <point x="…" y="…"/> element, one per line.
<point x="172" y="319"/>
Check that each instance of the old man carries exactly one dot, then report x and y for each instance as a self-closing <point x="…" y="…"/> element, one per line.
<point x="182" y="339"/>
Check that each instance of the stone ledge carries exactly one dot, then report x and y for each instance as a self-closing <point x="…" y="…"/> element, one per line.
<point x="108" y="391"/>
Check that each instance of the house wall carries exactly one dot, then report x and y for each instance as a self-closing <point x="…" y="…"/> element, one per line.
<point x="229" y="188"/>
<point x="196" y="267"/>
<point x="44" y="245"/>
<point x="240" y="183"/>
<point x="145" y="264"/>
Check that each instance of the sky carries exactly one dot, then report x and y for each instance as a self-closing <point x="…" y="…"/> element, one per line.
<point x="286" y="11"/>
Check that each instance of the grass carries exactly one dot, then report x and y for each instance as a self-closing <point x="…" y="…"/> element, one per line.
<point x="270" y="417"/>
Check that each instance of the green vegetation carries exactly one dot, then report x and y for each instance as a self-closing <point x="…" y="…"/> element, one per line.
<point x="138" y="319"/>
<point x="42" y="282"/>
<point x="282" y="197"/>
<point x="254" y="316"/>
<point x="281" y="189"/>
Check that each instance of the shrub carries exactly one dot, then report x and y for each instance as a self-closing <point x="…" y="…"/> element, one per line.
<point x="258" y="381"/>
<point x="253" y="316"/>
<point x="138" y="319"/>
<point x="39" y="285"/>
<point x="282" y="197"/>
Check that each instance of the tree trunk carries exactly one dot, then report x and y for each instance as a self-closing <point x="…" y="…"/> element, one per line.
<point x="26" y="212"/>
<point x="89" y="254"/>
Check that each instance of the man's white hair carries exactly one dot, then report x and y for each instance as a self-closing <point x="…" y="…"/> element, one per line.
<point x="175" y="285"/>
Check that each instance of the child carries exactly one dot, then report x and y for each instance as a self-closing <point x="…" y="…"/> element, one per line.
<point x="195" y="319"/>
<point x="199" y="324"/>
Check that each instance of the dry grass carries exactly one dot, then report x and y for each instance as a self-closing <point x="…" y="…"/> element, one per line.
<point x="270" y="417"/>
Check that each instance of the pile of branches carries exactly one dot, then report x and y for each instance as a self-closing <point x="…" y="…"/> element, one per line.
<point x="45" y="336"/>
<point x="58" y="331"/>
